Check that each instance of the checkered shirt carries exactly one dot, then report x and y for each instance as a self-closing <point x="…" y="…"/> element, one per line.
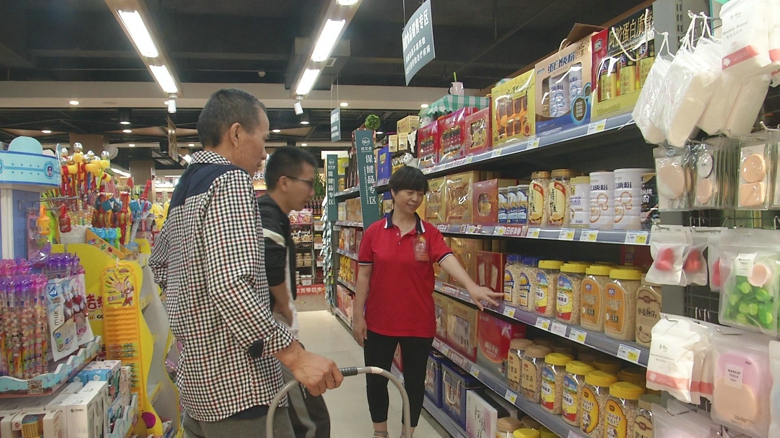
<point x="209" y="261"/>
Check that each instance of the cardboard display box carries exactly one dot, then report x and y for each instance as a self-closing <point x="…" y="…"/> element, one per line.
<point x="435" y="205"/>
<point x="490" y="270"/>
<point x="514" y="109"/>
<point x="462" y="329"/>
<point x="493" y="338"/>
<point x="441" y="307"/>
<point x="433" y="384"/>
<point x="428" y="141"/>
<point x="479" y="134"/>
<point x="456" y="384"/>
<point x="452" y="135"/>
<point x="485" y="198"/>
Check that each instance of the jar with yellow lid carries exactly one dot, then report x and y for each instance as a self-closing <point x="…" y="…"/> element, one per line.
<point x="587" y="355"/>
<point x="533" y="363"/>
<point x="552" y="381"/>
<point x="635" y="375"/>
<point x="567" y="308"/>
<point x="524" y="291"/>
<point x="558" y="209"/>
<point x="594" y="403"/>
<point x="538" y="195"/>
<point x="546" y="287"/>
<point x="609" y="366"/>
<point x="648" y="311"/>
<point x="527" y="433"/>
<point x="620" y="303"/>
<point x="514" y="369"/>
<point x="594" y="287"/>
<point x="506" y="426"/>
<point x="573" y="384"/>
<point x="643" y="424"/>
<point x="546" y="433"/>
<point x="622" y="408"/>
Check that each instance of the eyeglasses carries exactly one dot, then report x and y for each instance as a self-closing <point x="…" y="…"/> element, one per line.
<point x="309" y="182"/>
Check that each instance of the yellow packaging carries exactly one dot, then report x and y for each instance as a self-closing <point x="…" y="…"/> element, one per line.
<point x="458" y="194"/>
<point x="441" y="305"/>
<point x="514" y="109"/>
<point x="392" y="141"/>
<point x="408" y="124"/>
<point x="435" y="205"/>
<point x="462" y="329"/>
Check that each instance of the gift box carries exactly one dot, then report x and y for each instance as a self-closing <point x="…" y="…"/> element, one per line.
<point x="392" y="142"/>
<point x="490" y="270"/>
<point x="428" y="141"/>
<point x="441" y="308"/>
<point x="479" y="136"/>
<point x="459" y="196"/>
<point x="384" y="163"/>
<point x="433" y="378"/>
<point x="455" y="387"/>
<point x="563" y="84"/>
<point x="462" y="329"/>
<point x="465" y="251"/>
<point x="486" y="200"/>
<point x="452" y="135"/>
<point x="618" y="75"/>
<point x="435" y="206"/>
<point x="493" y="338"/>
<point x="408" y="124"/>
<point x="441" y="274"/>
<point x="482" y="414"/>
<point x="514" y="109"/>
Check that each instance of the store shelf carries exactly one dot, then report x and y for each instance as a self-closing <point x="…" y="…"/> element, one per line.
<point x="553" y="422"/>
<point x="349" y="254"/>
<point x="352" y="192"/>
<point x="349" y="224"/>
<point x="513" y="149"/>
<point x="443" y="419"/>
<point x="509" y="231"/>
<point x="351" y="287"/>
<point x="382" y="185"/>
<point x="629" y="351"/>
<point x="342" y="317"/>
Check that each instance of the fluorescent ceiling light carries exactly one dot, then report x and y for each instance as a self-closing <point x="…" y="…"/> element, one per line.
<point x="192" y="145"/>
<point x="347" y="2"/>
<point x="276" y="131"/>
<point x="304" y="144"/>
<point x="425" y="105"/>
<point x="120" y="172"/>
<point x="344" y="104"/>
<point x="131" y="145"/>
<point x="74" y="102"/>
<point x="124" y="123"/>
<point x="380" y="132"/>
<point x="303" y="122"/>
<point x="127" y="131"/>
<point x="139" y="33"/>
<point x="164" y="78"/>
<point x="46" y="131"/>
<point x="327" y="40"/>
<point x="307" y="82"/>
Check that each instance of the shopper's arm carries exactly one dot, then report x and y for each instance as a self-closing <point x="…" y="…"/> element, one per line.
<point x="478" y="293"/>
<point x="158" y="261"/>
<point x="359" y="329"/>
<point x="234" y="260"/>
<point x="315" y="372"/>
<point x="282" y="301"/>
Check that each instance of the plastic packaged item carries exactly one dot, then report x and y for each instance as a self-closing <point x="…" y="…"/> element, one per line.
<point x="452" y="135"/>
<point x="478" y="135"/>
<point x="546" y="287"/>
<point x="527" y="433"/>
<point x="622" y="409"/>
<point x="511" y="274"/>
<point x="569" y="290"/>
<point x="628" y="198"/>
<point x="514" y="109"/>
<point x="505" y="427"/>
<point x="552" y="381"/>
<point x="602" y="200"/>
<point x="715" y="115"/>
<point x="747" y="105"/>
<point x="680" y="423"/>
<point x="740" y="388"/>
<point x="695" y="266"/>
<point x="755" y="177"/>
<point x="533" y="363"/>
<point x="522" y="204"/>
<point x="713" y="165"/>
<point x="750" y="264"/>
<point x="503" y="204"/>
<point x="650" y="214"/>
<point x="649" y="298"/>
<point x="428" y="145"/>
<point x="607" y="365"/>
<point x="713" y="261"/>
<point x="643" y="423"/>
<point x="620" y="304"/>
<point x="559" y="193"/>
<point x="673" y="178"/>
<point x="573" y="384"/>
<point x="524" y="291"/>
<point x="538" y="198"/>
<point x="646" y="103"/>
<point x="745" y="37"/>
<point x="579" y="202"/>
<point x="594" y="403"/>
<point x="594" y="287"/>
<point x="774" y="396"/>
<point x="514" y="373"/>
<point x="668" y="246"/>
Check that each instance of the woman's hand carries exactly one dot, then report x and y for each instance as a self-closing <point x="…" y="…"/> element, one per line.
<point x="359" y="330"/>
<point x="481" y="293"/>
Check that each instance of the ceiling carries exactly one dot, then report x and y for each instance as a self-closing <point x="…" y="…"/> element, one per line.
<point x="253" y="42"/>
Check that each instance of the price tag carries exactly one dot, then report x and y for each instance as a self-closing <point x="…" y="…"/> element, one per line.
<point x="533" y="233"/>
<point x="445" y="350"/>
<point x="636" y="238"/>
<point x="577" y="335"/>
<point x="499" y="230"/>
<point x="441" y="227"/>
<point x="427" y="170"/>
<point x="566" y="234"/>
<point x="510" y="396"/>
<point x="543" y="323"/>
<point x="559" y="329"/>
<point x="474" y="371"/>
<point x="471" y="229"/>
<point x="589" y="235"/>
<point x="597" y="127"/>
<point x="630" y="354"/>
<point x="532" y="144"/>
<point x="458" y="360"/>
<point x="509" y="311"/>
<point x="496" y="153"/>
<point x="469" y="159"/>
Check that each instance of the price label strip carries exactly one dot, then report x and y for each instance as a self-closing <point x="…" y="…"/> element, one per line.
<point x="543" y="323"/>
<point x="628" y="353"/>
<point x="532" y="144"/>
<point x="510" y="396"/>
<point x="589" y="236"/>
<point x="573" y="435"/>
<point x="499" y="230"/>
<point x="636" y="238"/>
<point x="566" y="234"/>
<point x="597" y="127"/>
<point x="496" y="153"/>
<point x="577" y="335"/>
<point x="474" y="371"/>
<point x="509" y="311"/>
<point x="533" y="233"/>
<point x="559" y="329"/>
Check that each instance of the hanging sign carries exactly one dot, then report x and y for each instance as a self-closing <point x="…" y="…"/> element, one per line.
<point x="417" y="40"/>
<point x="364" y="143"/>
<point x="335" y="125"/>
<point x="331" y="171"/>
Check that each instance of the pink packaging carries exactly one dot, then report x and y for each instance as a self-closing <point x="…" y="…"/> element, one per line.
<point x="452" y="135"/>
<point x="428" y="145"/>
<point x="493" y="338"/>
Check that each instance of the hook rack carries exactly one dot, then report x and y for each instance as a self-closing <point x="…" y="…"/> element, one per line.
<point x="34" y="204"/>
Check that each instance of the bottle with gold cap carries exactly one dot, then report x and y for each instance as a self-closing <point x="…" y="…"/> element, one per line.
<point x="573" y="385"/>
<point x="526" y="433"/>
<point x="594" y="401"/>
<point x="552" y="381"/>
<point x="621" y="409"/>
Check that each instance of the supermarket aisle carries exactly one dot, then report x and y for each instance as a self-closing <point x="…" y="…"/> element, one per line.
<point x="321" y="333"/>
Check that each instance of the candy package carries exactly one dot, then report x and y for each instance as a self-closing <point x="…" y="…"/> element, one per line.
<point x="750" y="265"/>
<point x="669" y="247"/>
<point x="428" y="140"/>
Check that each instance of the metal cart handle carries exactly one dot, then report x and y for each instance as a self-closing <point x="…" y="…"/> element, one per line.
<point x="347" y="372"/>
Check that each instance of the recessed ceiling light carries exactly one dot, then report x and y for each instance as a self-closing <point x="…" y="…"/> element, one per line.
<point x="192" y="145"/>
<point x="343" y="104"/>
<point x="425" y="105"/>
<point x="304" y="144"/>
<point x="380" y="132"/>
<point x="46" y="131"/>
<point x="132" y="145"/>
<point x="276" y="131"/>
<point x="124" y="122"/>
<point x="165" y="103"/>
<point x="304" y="122"/>
<point x="127" y="131"/>
<point x="74" y="102"/>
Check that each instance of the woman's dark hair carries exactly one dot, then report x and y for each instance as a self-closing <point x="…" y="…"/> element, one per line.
<point x="409" y="178"/>
<point x="225" y="107"/>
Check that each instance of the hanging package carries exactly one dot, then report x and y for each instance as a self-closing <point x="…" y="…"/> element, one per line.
<point x="726" y="89"/>
<point x="774" y="397"/>
<point x="647" y="102"/>
<point x="669" y="245"/>
<point x="747" y="105"/>
<point x="745" y="37"/>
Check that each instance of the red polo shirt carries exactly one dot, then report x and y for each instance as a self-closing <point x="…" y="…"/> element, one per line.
<point x="400" y="297"/>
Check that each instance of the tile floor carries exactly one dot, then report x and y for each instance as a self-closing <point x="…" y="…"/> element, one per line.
<point x="323" y="334"/>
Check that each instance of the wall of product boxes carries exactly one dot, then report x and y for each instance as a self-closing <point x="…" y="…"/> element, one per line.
<point x="580" y="346"/>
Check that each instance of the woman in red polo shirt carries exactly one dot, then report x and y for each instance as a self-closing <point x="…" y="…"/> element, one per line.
<point x="396" y="265"/>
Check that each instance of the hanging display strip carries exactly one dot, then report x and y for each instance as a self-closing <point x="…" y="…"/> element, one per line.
<point x="349" y="224"/>
<point x="620" y="237"/>
<point x="351" y="192"/>
<point x="517" y="147"/>
<point x="629" y="351"/>
<point x="553" y="422"/>
<point x="346" y="253"/>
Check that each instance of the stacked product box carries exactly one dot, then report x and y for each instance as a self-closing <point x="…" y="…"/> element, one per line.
<point x="493" y="338"/>
<point x="514" y="109"/>
<point x="455" y="386"/>
<point x="452" y="135"/>
<point x="462" y="329"/>
<point x="404" y="127"/>
<point x="433" y="375"/>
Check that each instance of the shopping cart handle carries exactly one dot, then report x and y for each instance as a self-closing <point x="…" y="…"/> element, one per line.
<point x="349" y="371"/>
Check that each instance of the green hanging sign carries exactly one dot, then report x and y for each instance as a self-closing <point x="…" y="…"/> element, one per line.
<point x="364" y="144"/>
<point x="331" y="186"/>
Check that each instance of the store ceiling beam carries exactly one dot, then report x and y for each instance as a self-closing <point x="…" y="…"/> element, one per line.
<point x="12" y="37"/>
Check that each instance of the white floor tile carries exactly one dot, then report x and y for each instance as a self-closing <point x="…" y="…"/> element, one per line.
<point x="323" y="334"/>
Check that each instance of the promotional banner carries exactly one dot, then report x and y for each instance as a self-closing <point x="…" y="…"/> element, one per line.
<point x="335" y="125"/>
<point x="364" y="143"/>
<point x="418" y="41"/>
<point x="331" y="172"/>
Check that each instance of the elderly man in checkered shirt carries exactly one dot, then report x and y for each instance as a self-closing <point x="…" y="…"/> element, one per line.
<point x="209" y="261"/>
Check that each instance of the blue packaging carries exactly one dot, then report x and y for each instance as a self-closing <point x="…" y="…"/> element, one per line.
<point x="455" y="384"/>
<point x="384" y="165"/>
<point x="433" y="378"/>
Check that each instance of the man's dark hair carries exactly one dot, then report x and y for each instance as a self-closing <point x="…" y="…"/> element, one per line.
<point x="409" y="178"/>
<point x="224" y="108"/>
<point x="287" y="161"/>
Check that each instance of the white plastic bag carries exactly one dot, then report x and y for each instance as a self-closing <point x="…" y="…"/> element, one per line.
<point x="774" y="40"/>
<point x="747" y="105"/>
<point x="725" y="91"/>
<point x="646" y="104"/>
<point x="669" y="246"/>
<point x="745" y="37"/>
<point x="713" y="260"/>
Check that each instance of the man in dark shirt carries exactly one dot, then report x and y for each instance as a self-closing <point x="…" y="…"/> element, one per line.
<point x="289" y="176"/>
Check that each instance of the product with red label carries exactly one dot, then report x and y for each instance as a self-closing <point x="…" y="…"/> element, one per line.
<point x="493" y="338"/>
<point x="478" y="133"/>
<point x="486" y="199"/>
<point x="452" y="135"/>
<point x="552" y="382"/>
<point x="428" y="145"/>
<point x="490" y="270"/>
